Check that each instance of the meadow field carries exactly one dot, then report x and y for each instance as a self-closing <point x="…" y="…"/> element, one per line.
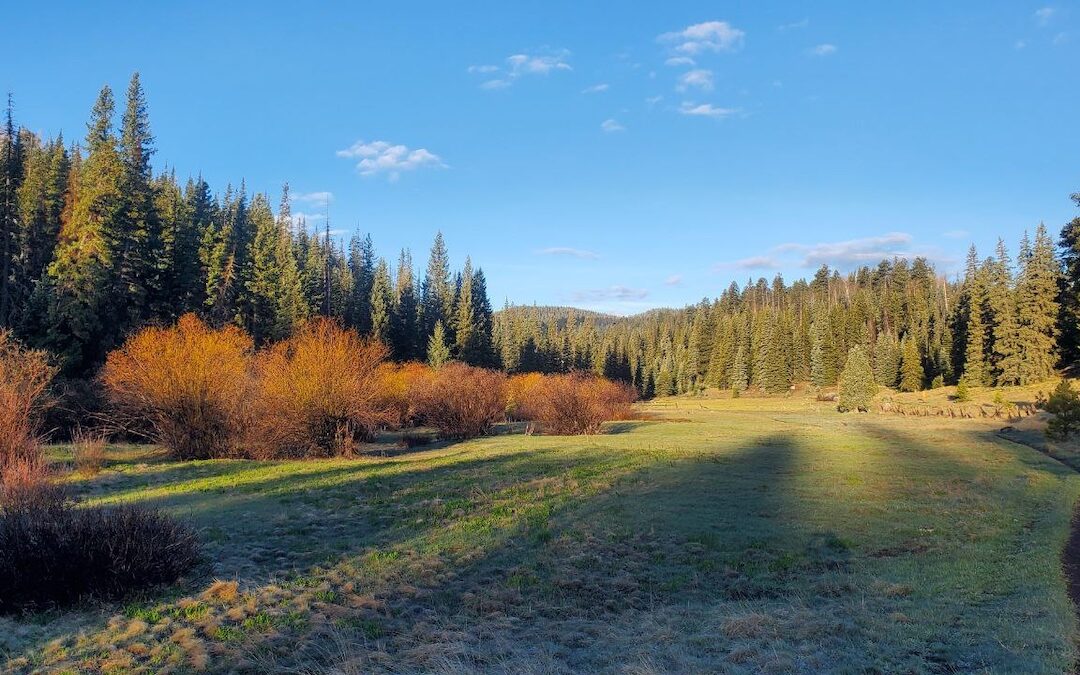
<point x="727" y="535"/>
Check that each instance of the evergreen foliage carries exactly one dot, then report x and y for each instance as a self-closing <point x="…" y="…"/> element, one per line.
<point x="857" y="386"/>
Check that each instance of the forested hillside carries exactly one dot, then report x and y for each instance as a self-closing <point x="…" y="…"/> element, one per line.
<point x="94" y="244"/>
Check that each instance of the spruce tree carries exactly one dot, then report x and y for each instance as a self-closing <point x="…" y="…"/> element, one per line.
<point x="10" y="174"/>
<point x="912" y="374"/>
<point x="1069" y="320"/>
<point x="438" y="351"/>
<point x="1037" y="309"/>
<point x="436" y="291"/>
<point x="382" y="303"/>
<point x="405" y="335"/>
<point x="1006" y="331"/>
<point x="857" y="387"/>
<point x="887" y="358"/>
<point x="976" y="369"/>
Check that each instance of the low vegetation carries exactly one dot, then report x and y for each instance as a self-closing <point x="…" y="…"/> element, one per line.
<point x="461" y="401"/>
<point x="573" y="404"/>
<point x="185" y="387"/>
<point x="317" y="394"/>
<point x="718" y="535"/>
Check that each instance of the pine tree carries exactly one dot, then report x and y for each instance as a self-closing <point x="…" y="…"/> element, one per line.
<point x="1069" y="321"/>
<point x="777" y="349"/>
<point x="822" y="346"/>
<point x="1006" y="333"/>
<point x="1037" y="309"/>
<point x="436" y="291"/>
<point x="438" y="351"/>
<point x="41" y="199"/>
<point x="857" y="387"/>
<point x="362" y="268"/>
<point x="10" y="170"/>
<point x="405" y="335"/>
<point x="887" y="358"/>
<point x="976" y="369"/>
<point x="912" y="374"/>
<point x="382" y="303"/>
<point x="78" y="274"/>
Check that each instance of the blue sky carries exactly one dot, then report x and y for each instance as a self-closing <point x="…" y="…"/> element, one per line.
<point x="615" y="156"/>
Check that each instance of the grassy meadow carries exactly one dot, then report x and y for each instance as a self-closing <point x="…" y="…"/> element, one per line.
<point x="733" y="535"/>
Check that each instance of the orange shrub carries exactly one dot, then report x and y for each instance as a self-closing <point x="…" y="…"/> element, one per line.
<point x="521" y="390"/>
<point x="578" y="403"/>
<point x="397" y="383"/>
<point x="25" y="375"/>
<point x="461" y="401"/>
<point x="319" y="393"/>
<point x="185" y="387"/>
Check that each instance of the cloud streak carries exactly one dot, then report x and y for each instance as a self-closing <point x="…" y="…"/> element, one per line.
<point x="568" y="251"/>
<point x="699" y="78"/>
<point x="618" y="293"/>
<point x="611" y="126"/>
<point x="705" y="110"/>
<point x="823" y="50"/>
<point x="521" y="65"/>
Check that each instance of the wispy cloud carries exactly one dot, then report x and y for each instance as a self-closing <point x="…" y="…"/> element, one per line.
<point x="794" y="25"/>
<point x="680" y="61"/>
<point x="653" y="100"/>
<point x="392" y="159"/>
<point x="569" y="252"/>
<point x="823" y="50"/>
<point x="710" y="36"/>
<point x="596" y="88"/>
<point x="699" y="78"/>
<point x="842" y="255"/>
<point x="1044" y="14"/>
<point x="517" y="66"/>
<point x="620" y="293"/>
<point x="611" y="126"/>
<point x="317" y="198"/>
<point x="757" y="262"/>
<point x="674" y="280"/>
<point x="705" y="110"/>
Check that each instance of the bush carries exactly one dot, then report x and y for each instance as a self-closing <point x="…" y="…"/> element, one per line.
<point x="963" y="391"/>
<point x="397" y="382"/>
<point x="319" y="393"/>
<point x="1064" y="404"/>
<point x="521" y="395"/>
<point x="577" y="403"/>
<point x="185" y="387"/>
<point x="25" y="375"/>
<point x="54" y="554"/>
<point x="461" y="401"/>
<point x="857" y="386"/>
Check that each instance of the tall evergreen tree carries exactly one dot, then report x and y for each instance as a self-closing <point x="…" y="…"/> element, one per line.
<point x="976" y="368"/>
<point x="382" y="303"/>
<point x="912" y="374"/>
<point x="405" y="333"/>
<point x="1037" y="309"/>
<point x="438" y="351"/>
<point x="1069" y="320"/>
<point x="436" y="291"/>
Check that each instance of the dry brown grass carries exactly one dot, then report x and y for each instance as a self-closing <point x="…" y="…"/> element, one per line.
<point x="185" y="387"/>
<point x="88" y="451"/>
<point x="461" y="401"/>
<point x="318" y="394"/>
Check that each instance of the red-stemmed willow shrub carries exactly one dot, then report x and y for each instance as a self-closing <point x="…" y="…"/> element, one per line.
<point x="461" y="401"/>
<point x="25" y="375"/>
<point x="318" y="394"/>
<point x="185" y="387"/>
<point x="577" y="403"/>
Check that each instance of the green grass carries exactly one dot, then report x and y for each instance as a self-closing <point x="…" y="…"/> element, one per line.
<point x="746" y="535"/>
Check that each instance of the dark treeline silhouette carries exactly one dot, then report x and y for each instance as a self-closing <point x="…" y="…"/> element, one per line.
<point x="94" y="245"/>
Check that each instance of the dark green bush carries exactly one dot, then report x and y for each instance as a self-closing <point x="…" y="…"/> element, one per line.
<point x="53" y="553"/>
<point x="1064" y="404"/>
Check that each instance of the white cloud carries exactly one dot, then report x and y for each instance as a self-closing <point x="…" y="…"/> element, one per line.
<point x="612" y="293"/>
<point x="570" y="252"/>
<point x="653" y="100"/>
<point x="757" y="262"/>
<point x="610" y="125"/>
<point x="710" y="36"/>
<point x="852" y="252"/>
<point x="705" y="110"/>
<point x="1044" y="14"/>
<point x="495" y="84"/>
<point x="317" y="198"/>
<point x="823" y="50"/>
<point x="596" y="88"/>
<point x="517" y="66"/>
<point x="699" y="78"/>
<point x="392" y="159"/>
<point x="674" y="280"/>
<point x="794" y="25"/>
<point x="299" y="217"/>
<point x="680" y="61"/>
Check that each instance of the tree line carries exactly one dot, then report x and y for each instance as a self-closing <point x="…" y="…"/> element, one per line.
<point x="94" y="245"/>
